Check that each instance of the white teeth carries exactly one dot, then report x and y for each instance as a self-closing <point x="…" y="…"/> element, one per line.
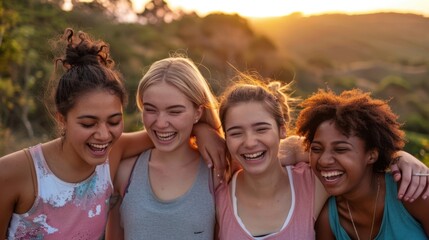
<point x="253" y="155"/>
<point x="330" y="174"/>
<point x="99" y="145"/>
<point x="165" y="136"/>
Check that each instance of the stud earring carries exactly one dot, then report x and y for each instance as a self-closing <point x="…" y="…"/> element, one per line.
<point x="63" y="132"/>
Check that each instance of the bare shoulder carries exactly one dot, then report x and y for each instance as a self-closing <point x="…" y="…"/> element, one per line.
<point x="15" y="187"/>
<point x="123" y="174"/>
<point x="419" y="209"/>
<point x="13" y="168"/>
<point x="322" y="228"/>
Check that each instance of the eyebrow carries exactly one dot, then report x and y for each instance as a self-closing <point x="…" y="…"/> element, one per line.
<point x="94" y="117"/>
<point x="253" y="125"/>
<point x="169" y="107"/>
<point x="335" y="142"/>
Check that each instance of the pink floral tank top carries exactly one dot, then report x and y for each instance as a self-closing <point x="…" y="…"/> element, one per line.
<point x="64" y="210"/>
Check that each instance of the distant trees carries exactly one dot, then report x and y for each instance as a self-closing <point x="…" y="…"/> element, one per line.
<point x="218" y="43"/>
<point x="157" y="12"/>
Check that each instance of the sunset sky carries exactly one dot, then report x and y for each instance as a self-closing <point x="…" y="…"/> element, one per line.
<point x="272" y="8"/>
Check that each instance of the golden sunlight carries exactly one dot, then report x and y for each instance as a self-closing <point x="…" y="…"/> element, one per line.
<point x="273" y="8"/>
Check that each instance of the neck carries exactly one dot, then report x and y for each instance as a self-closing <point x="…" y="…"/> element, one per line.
<point x="365" y="192"/>
<point x="179" y="157"/>
<point x="263" y="185"/>
<point x="65" y="163"/>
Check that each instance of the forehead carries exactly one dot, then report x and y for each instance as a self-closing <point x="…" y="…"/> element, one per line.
<point x="164" y="94"/>
<point x="247" y="113"/>
<point x="97" y="103"/>
<point x="328" y="131"/>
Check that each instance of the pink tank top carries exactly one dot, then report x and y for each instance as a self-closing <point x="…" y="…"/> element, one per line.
<point x="64" y="210"/>
<point x="299" y="223"/>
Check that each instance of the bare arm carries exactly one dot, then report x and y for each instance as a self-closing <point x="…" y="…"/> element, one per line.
<point x="292" y="151"/>
<point x="419" y="209"/>
<point x="322" y="227"/>
<point x="114" y="229"/>
<point x="212" y="148"/>
<point x="128" y="145"/>
<point x="16" y="188"/>
<point x="410" y="187"/>
<point x="320" y="197"/>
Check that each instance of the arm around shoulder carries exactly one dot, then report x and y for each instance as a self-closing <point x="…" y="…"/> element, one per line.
<point x="292" y="151"/>
<point x="129" y="145"/>
<point x="114" y="229"/>
<point x="322" y="227"/>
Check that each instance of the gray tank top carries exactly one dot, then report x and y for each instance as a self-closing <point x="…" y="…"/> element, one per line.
<point x="190" y="216"/>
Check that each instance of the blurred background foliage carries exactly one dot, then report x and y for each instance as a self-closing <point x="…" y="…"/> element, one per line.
<point x="385" y="53"/>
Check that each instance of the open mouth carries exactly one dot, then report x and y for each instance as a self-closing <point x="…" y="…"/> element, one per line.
<point x="331" y="175"/>
<point x="167" y="136"/>
<point x="253" y="156"/>
<point x="98" y="148"/>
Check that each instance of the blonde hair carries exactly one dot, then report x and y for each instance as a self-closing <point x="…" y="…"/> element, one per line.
<point x="183" y="74"/>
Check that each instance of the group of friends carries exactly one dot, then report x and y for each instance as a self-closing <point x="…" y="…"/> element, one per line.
<point x="210" y="168"/>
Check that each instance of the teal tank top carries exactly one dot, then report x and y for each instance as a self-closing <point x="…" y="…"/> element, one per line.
<point x="397" y="223"/>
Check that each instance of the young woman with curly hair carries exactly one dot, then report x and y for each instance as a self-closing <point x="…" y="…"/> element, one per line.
<point x="352" y="139"/>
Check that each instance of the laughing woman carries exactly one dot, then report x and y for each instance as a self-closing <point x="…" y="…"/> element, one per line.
<point x="167" y="192"/>
<point x="352" y="138"/>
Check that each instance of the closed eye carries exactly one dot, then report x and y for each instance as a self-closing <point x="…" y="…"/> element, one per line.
<point x="234" y="134"/>
<point x="262" y="130"/>
<point x="315" y="149"/>
<point x="341" y="150"/>
<point x="87" y="125"/>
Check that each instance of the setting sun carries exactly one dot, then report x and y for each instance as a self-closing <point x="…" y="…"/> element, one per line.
<point x="274" y="8"/>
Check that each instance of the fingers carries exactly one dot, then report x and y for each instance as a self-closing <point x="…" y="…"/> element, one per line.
<point x="426" y="193"/>
<point x="206" y="156"/>
<point x="405" y="178"/>
<point x="416" y="187"/>
<point x="217" y="161"/>
<point x="423" y="176"/>
<point x="421" y="185"/>
<point x="412" y="188"/>
<point x="395" y="172"/>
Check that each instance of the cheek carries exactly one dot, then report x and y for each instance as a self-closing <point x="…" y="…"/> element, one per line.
<point x="148" y="119"/>
<point x="313" y="159"/>
<point x="117" y="130"/>
<point x="231" y="144"/>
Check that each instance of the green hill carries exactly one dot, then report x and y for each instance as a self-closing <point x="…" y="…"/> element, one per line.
<point x="343" y="39"/>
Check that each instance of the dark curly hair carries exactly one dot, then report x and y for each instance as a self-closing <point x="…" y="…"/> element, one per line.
<point x="88" y="67"/>
<point x="354" y="113"/>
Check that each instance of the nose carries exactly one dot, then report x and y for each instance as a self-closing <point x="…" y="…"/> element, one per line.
<point x="161" y="121"/>
<point x="103" y="132"/>
<point x="250" y="140"/>
<point x="325" y="158"/>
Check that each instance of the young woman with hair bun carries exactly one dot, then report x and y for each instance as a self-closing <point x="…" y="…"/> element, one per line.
<point x="61" y="189"/>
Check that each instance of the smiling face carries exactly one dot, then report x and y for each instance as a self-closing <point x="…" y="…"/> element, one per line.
<point x="92" y="126"/>
<point x="168" y="116"/>
<point x="340" y="162"/>
<point x="253" y="137"/>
